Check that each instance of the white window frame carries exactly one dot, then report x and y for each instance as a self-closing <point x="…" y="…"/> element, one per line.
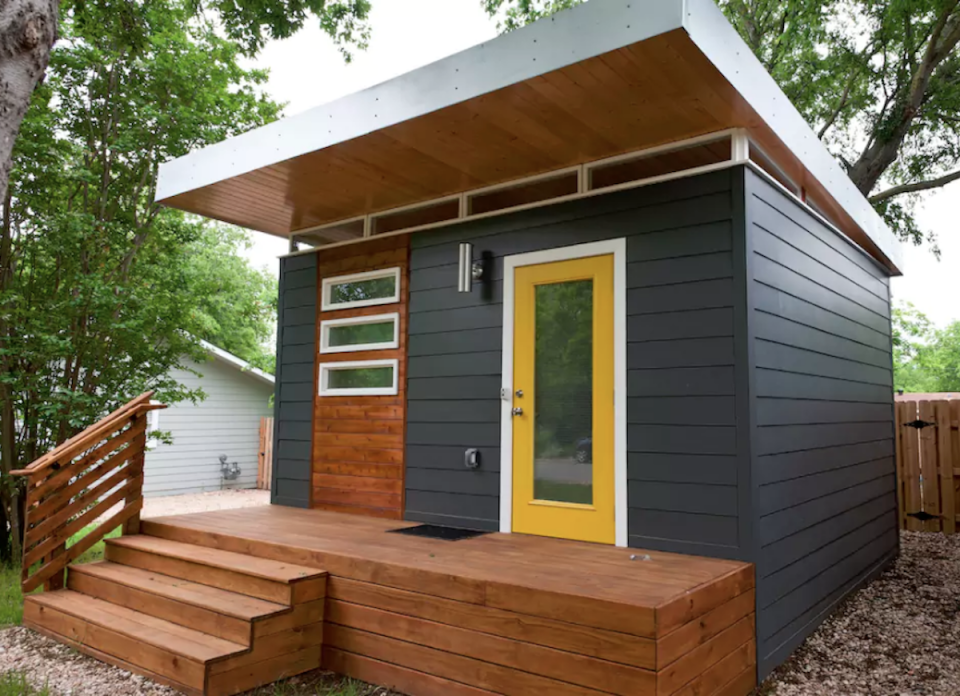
<point x="327" y="305"/>
<point x="328" y="324"/>
<point x="327" y="367"/>
<point x="153" y="424"/>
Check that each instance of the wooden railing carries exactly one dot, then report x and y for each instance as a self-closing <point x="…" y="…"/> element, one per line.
<point x="72" y="487"/>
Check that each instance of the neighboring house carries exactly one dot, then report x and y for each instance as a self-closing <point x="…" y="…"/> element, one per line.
<point x="226" y="422"/>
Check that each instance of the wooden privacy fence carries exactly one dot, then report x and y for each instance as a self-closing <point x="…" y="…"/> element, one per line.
<point x="928" y="464"/>
<point x="89" y="485"/>
<point x="265" y="455"/>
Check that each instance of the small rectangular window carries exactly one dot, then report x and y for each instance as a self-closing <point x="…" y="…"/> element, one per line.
<point x="524" y="193"/>
<point x="361" y="289"/>
<point x="153" y="425"/>
<point x="345" y="231"/>
<point x="426" y="214"/>
<point x="759" y="158"/>
<point x="374" y="332"/>
<point x="370" y="377"/>
<point x="637" y="167"/>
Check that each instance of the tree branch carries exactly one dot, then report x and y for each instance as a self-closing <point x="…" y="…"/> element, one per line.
<point x="915" y="187"/>
<point x="845" y="97"/>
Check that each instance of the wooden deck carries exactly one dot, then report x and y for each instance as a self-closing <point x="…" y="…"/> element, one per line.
<point x="495" y="614"/>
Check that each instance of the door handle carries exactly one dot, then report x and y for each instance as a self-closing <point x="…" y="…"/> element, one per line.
<point x="517" y="411"/>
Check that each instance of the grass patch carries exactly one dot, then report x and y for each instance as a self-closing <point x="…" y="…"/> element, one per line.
<point x="95" y="552"/>
<point x="16" y="684"/>
<point x="11" y="601"/>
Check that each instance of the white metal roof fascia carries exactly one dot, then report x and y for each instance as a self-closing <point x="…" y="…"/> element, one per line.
<point x="239" y="363"/>
<point x="721" y="44"/>
<point x="569" y="37"/>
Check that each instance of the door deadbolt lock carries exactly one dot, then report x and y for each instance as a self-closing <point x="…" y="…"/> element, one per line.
<point x="517" y="411"/>
<point x="519" y="393"/>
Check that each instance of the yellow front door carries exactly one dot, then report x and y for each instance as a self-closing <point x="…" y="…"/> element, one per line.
<point x="563" y="400"/>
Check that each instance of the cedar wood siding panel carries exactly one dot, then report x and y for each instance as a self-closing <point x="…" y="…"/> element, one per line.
<point x="358" y="440"/>
<point x="685" y="492"/>
<point x="293" y="402"/>
<point x="823" y="444"/>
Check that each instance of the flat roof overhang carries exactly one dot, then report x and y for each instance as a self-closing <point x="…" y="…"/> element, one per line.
<point x="602" y="79"/>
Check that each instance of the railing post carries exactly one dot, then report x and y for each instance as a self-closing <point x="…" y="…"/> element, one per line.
<point x="139" y="445"/>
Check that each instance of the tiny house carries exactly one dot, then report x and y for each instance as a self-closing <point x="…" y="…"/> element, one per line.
<point x="593" y="299"/>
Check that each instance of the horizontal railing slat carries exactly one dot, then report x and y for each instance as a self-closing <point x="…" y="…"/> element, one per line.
<point x="51" y="524"/>
<point x="43" y="489"/>
<point x="72" y="487"/>
<point x="52" y="504"/>
<point x="61" y="561"/>
<point x="78" y="524"/>
<point x="69" y="448"/>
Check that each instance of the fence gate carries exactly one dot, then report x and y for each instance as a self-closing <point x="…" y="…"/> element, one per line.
<point x="265" y="457"/>
<point x="928" y="464"/>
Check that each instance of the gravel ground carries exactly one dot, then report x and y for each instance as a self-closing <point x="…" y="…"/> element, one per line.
<point x="66" y="672"/>
<point x="203" y="502"/>
<point x="898" y="637"/>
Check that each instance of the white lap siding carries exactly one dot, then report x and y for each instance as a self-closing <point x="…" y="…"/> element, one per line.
<point x="226" y="422"/>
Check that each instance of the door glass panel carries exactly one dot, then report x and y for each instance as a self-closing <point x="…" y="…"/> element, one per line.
<point x="563" y="422"/>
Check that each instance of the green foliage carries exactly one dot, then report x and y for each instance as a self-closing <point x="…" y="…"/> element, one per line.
<point x="11" y="600"/>
<point x="925" y="359"/>
<point x="101" y="290"/>
<point x="236" y="304"/>
<point x="16" y="684"/>
<point x="912" y="334"/>
<point x="878" y="81"/>
<point x="252" y="22"/>
<point x="513" y="14"/>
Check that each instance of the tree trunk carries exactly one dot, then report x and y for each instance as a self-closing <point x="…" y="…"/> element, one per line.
<point x="28" y="29"/>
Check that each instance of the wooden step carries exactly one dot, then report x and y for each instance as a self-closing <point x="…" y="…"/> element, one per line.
<point x="175" y="654"/>
<point x="283" y="583"/>
<point x="211" y="610"/>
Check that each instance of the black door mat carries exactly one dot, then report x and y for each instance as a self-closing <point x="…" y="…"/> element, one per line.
<point x="436" y="531"/>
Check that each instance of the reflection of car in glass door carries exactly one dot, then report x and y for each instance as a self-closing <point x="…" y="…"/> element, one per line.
<point x="584" y="453"/>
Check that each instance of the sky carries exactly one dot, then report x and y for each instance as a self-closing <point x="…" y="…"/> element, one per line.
<point x="306" y="70"/>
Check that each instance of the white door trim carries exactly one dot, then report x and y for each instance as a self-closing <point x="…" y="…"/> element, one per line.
<point x="617" y="247"/>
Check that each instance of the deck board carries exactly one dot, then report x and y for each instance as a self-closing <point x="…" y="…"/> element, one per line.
<point x="503" y="613"/>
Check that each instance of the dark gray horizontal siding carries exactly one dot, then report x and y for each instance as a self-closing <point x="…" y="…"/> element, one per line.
<point x="823" y="442"/>
<point x="293" y="403"/>
<point x="783" y="358"/>
<point x="692" y="410"/>
<point x="685" y="530"/>
<point x="682" y="468"/>
<point x="707" y="323"/>
<point x="680" y="296"/>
